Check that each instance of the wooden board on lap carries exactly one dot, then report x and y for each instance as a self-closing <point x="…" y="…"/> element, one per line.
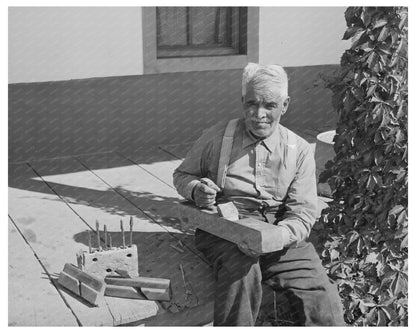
<point x="258" y="236"/>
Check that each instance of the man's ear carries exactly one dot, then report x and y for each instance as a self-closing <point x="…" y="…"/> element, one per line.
<point x="286" y="103"/>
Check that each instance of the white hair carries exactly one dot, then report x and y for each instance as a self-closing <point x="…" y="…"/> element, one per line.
<point x="261" y="76"/>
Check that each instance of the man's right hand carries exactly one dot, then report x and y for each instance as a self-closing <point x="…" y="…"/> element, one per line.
<point x="204" y="193"/>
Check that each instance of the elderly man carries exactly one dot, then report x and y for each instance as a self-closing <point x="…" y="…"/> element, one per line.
<point x="268" y="172"/>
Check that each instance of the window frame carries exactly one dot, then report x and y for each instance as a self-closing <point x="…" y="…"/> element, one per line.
<point x="153" y="65"/>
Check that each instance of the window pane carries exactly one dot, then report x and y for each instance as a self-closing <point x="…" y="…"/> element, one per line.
<point x="171" y="26"/>
<point x="208" y="25"/>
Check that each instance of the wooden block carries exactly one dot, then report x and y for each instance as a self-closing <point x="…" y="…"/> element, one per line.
<point x="82" y="284"/>
<point x="69" y="282"/>
<point x="257" y="235"/>
<point x="122" y="292"/>
<point x="102" y="263"/>
<point x="83" y="277"/>
<point x="228" y="211"/>
<point x="152" y="294"/>
<point x="139" y="282"/>
<point x="157" y="294"/>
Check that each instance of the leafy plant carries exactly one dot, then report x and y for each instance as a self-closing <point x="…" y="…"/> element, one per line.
<point x="365" y="245"/>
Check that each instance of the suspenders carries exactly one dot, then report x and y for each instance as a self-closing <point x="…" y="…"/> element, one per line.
<point x="225" y="153"/>
<point x="290" y="151"/>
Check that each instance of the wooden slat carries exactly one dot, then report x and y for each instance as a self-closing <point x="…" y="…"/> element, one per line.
<point x="33" y="299"/>
<point x="162" y="169"/>
<point x="179" y="150"/>
<point x="56" y="233"/>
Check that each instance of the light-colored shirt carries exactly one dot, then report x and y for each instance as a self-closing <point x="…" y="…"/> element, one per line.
<point x="258" y="171"/>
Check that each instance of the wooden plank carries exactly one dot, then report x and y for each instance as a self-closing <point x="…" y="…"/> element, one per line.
<point x="56" y="233"/>
<point x="256" y="235"/>
<point x="33" y="299"/>
<point x="153" y="240"/>
<point x="157" y="162"/>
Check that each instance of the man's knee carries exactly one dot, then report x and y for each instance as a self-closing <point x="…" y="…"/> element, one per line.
<point x="224" y="255"/>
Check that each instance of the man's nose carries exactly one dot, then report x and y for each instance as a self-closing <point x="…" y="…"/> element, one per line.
<point x="260" y="112"/>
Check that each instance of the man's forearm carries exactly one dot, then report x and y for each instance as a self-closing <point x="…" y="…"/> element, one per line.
<point x="184" y="183"/>
<point x="295" y="230"/>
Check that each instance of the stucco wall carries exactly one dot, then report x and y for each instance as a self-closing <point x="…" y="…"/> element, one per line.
<point x="301" y="36"/>
<point x="62" y="43"/>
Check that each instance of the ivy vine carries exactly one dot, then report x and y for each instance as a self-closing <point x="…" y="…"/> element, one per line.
<point x="365" y="227"/>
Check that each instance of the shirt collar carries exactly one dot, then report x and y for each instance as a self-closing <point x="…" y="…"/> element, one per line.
<point x="270" y="142"/>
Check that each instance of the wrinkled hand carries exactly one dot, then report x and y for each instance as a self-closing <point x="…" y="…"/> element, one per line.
<point x="248" y="252"/>
<point x="205" y="192"/>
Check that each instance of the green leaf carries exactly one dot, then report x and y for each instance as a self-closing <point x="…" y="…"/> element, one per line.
<point x="382" y="318"/>
<point x="371" y="183"/>
<point x="380" y="23"/>
<point x="402" y="218"/>
<point x="371" y="316"/>
<point x="334" y="255"/>
<point x="358" y="39"/>
<point x="383" y="34"/>
<point x="398" y="284"/>
<point x="371" y="90"/>
<point x="404" y="244"/>
<point x="351" y="32"/>
<point x="397" y="209"/>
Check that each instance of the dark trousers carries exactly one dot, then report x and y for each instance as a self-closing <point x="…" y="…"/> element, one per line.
<point x="297" y="271"/>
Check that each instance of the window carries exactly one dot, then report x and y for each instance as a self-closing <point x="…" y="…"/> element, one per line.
<point x="200" y="31"/>
<point x="182" y="39"/>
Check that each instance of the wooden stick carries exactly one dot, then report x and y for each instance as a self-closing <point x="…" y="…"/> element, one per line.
<point x="89" y="242"/>
<point x="111" y="241"/>
<point x="131" y="230"/>
<point x="122" y="234"/>
<point x="105" y="236"/>
<point x="97" y="226"/>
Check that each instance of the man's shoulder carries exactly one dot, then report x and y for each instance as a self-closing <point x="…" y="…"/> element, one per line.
<point x="301" y="144"/>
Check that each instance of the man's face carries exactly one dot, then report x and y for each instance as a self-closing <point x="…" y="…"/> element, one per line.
<point x="263" y="109"/>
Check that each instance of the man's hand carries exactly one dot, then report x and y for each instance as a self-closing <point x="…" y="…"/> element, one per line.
<point x="205" y="192"/>
<point x="244" y="248"/>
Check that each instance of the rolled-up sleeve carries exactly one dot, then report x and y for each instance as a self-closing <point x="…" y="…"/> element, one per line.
<point x="302" y="200"/>
<point x="195" y="166"/>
